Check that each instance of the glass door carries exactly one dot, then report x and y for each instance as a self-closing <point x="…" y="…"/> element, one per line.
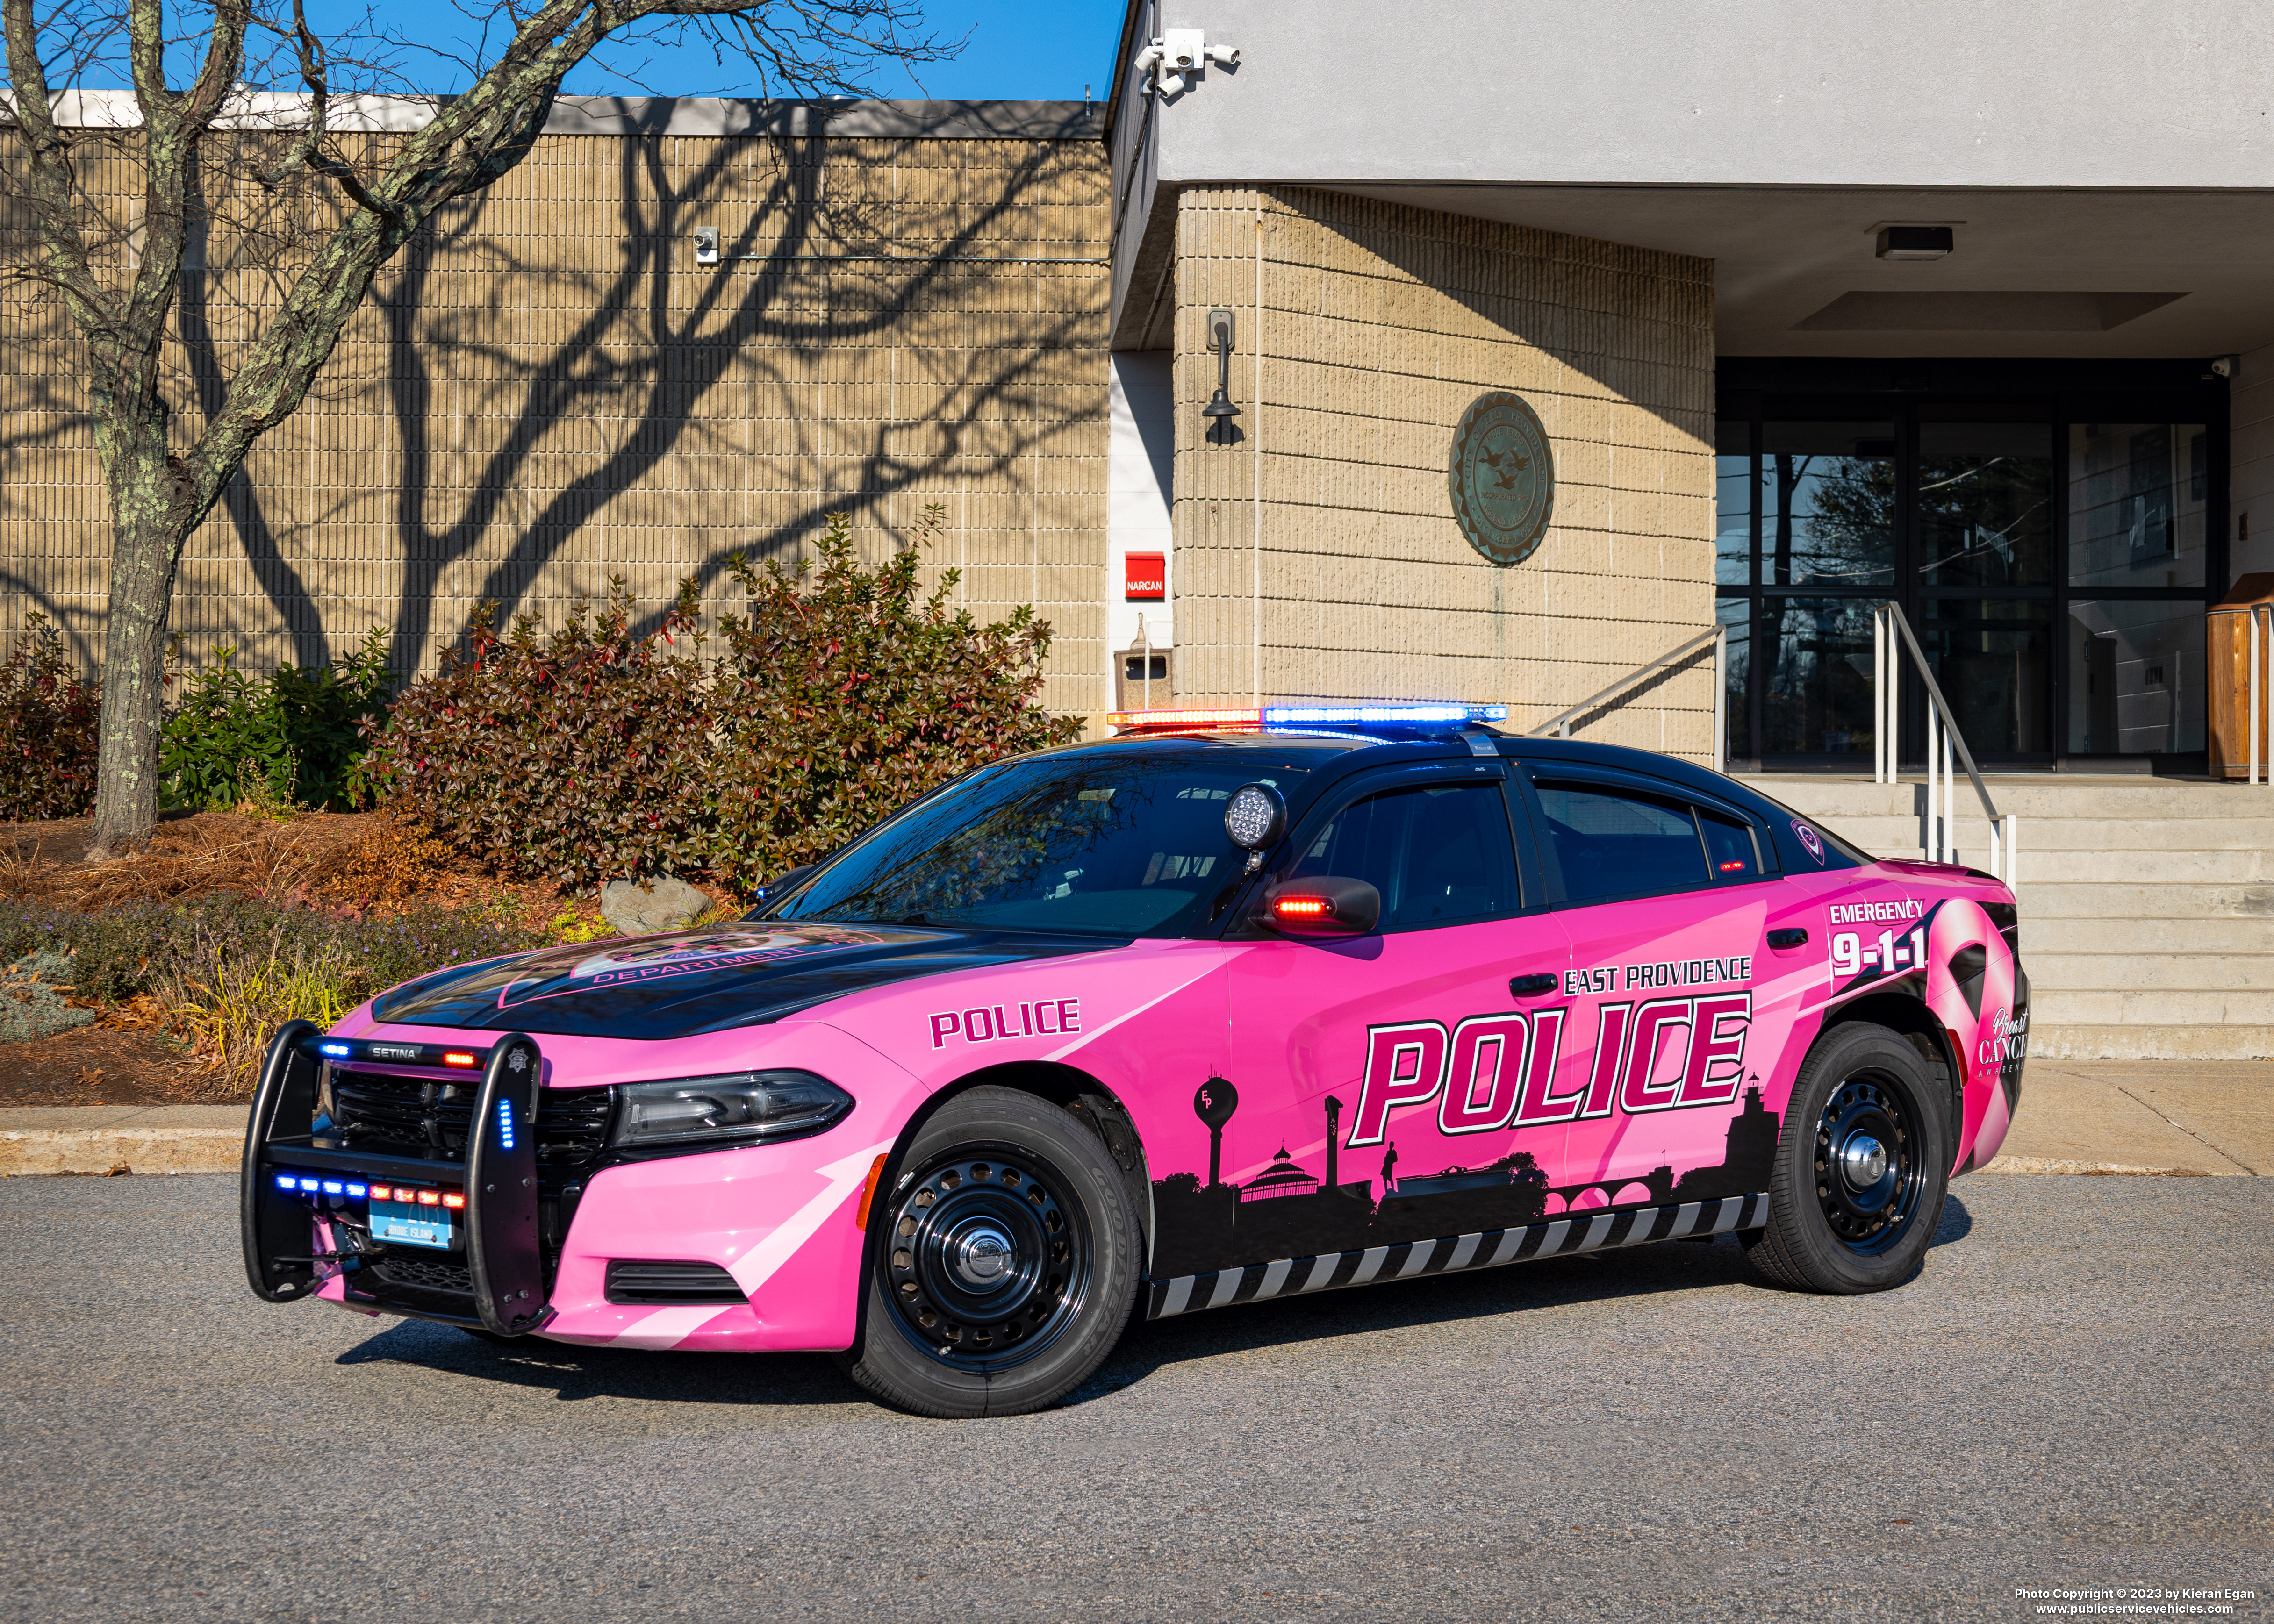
<point x="2052" y="554"/>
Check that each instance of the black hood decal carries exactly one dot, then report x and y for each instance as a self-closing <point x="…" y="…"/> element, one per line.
<point x="683" y="982"/>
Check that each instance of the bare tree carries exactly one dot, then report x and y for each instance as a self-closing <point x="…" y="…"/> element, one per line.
<point x="331" y="210"/>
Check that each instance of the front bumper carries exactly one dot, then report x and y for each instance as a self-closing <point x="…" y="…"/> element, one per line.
<point x="778" y="1219"/>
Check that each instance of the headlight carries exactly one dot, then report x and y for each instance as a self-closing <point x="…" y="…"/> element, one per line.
<point x="742" y="1107"/>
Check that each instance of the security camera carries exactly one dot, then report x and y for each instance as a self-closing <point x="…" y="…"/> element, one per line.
<point x="706" y="245"/>
<point x="2227" y="365"/>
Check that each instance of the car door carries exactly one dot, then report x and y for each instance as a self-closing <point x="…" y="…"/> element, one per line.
<point x="1375" y="1078"/>
<point x="1680" y="1008"/>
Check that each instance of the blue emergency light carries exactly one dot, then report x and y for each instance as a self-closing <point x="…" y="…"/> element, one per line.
<point x="337" y="1051"/>
<point x="505" y="1123"/>
<point x="1250" y="718"/>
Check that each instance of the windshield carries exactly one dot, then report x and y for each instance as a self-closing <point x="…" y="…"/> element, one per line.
<point x="1096" y="843"/>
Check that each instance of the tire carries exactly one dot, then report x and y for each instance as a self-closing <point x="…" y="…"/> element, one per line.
<point x="1862" y="1167"/>
<point x="1002" y="1266"/>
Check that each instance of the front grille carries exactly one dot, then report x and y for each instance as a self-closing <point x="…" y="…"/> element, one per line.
<point x="431" y="1119"/>
<point x="407" y="1115"/>
<point x="398" y="1268"/>
<point x="630" y="1282"/>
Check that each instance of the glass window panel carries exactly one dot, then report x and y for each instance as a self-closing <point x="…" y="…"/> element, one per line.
<point x="1827" y="504"/>
<point x="1729" y="848"/>
<point x="1733" y="501"/>
<point x="2135" y="677"/>
<point x="1736" y="615"/>
<point x="2138" y="500"/>
<point x="1989" y="656"/>
<point x="1985" y="504"/>
<point x="1612" y="844"/>
<point x="1816" y="696"/>
<point x="1437" y="855"/>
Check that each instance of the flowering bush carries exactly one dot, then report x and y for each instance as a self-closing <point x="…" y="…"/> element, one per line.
<point x="593" y="753"/>
<point x="47" y="729"/>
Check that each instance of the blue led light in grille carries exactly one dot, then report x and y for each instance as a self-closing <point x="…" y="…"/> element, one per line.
<point x="337" y="1051"/>
<point x="505" y="1123"/>
<point x="309" y="1184"/>
<point x="285" y="1181"/>
<point x="332" y="1186"/>
<point x="355" y="1189"/>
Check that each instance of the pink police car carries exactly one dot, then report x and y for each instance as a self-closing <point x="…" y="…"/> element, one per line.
<point x="1234" y="1006"/>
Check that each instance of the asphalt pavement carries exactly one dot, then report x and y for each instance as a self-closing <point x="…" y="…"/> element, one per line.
<point x="2075" y="1395"/>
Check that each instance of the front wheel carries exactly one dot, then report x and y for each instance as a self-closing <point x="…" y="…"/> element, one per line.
<point x="1862" y="1167"/>
<point x="1001" y="1264"/>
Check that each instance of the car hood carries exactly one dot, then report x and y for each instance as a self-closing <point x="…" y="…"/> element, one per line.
<point x="684" y="982"/>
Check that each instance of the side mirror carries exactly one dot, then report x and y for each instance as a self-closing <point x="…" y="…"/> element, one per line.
<point x="1322" y="906"/>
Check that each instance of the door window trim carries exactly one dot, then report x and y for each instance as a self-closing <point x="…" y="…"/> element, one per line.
<point x="1768" y="864"/>
<point x="1363" y="785"/>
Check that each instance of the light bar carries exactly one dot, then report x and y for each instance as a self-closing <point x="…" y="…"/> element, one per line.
<point x="460" y="1057"/>
<point x="1249" y="718"/>
<point x="1300" y="907"/>
<point x="1401" y="716"/>
<point x="1243" y="716"/>
<point x="337" y="1051"/>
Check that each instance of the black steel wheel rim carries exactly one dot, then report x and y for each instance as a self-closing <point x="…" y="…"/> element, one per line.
<point x="987" y="1257"/>
<point x="1867" y="1174"/>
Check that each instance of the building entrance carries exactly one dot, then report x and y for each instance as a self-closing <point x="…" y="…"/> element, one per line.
<point x="2052" y="531"/>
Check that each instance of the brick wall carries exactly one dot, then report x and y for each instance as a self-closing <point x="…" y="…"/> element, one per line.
<point x="546" y="390"/>
<point x="1376" y="326"/>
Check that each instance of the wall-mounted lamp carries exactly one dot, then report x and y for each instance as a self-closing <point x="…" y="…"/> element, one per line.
<point x="706" y="245"/>
<point x="1220" y="412"/>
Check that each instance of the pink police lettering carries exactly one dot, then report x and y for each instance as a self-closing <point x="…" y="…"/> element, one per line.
<point x="993" y="1023"/>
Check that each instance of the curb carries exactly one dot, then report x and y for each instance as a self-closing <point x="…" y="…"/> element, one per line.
<point x="131" y="1150"/>
<point x="2034" y="1166"/>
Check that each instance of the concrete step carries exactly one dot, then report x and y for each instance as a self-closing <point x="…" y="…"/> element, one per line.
<point x="2147" y="864"/>
<point x="2145" y="1041"/>
<point x="2074" y="899"/>
<point x="2120" y="972"/>
<point x="2209" y="1007"/>
<point x="2051" y="934"/>
<point x="1831" y="799"/>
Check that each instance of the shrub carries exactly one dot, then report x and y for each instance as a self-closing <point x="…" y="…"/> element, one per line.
<point x="47" y="729"/>
<point x="593" y="753"/>
<point x="845" y="693"/>
<point x="293" y="738"/>
<point x="578" y="755"/>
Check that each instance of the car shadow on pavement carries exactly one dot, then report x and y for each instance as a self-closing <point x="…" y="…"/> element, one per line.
<point x="574" y="1373"/>
<point x="1583" y="1277"/>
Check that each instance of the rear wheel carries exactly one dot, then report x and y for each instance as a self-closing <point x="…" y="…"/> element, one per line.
<point x="1001" y="1266"/>
<point x="1862" y="1167"/>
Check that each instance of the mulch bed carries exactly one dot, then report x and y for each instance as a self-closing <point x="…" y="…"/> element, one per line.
<point x="95" y="1065"/>
<point x="346" y="861"/>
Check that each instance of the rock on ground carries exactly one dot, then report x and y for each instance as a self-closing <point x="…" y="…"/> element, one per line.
<point x="641" y="907"/>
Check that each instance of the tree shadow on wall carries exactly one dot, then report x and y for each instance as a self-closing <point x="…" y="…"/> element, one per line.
<point x="669" y="367"/>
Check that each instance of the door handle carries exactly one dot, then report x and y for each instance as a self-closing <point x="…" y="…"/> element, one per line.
<point x="1532" y="986"/>
<point x="1788" y="938"/>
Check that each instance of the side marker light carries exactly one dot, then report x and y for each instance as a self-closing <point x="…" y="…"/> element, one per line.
<point x="869" y="1191"/>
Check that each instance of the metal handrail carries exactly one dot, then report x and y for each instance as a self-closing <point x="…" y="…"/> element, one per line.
<point x="1719" y="636"/>
<point x="1943" y="736"/>
<point x="2253" y="612"/>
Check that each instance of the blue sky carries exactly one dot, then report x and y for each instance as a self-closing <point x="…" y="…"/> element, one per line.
<point x="1017" y="50"/>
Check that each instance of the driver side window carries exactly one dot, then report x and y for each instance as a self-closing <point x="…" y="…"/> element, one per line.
<point x="1439" y="855"/>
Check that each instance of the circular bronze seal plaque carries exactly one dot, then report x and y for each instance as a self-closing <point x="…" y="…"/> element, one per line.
<point x="1503" y="477"/>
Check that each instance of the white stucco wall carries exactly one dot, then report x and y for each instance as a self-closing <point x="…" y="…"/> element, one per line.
<point x="1933" y="92"/>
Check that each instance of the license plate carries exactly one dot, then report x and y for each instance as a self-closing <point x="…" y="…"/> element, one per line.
<point x="403" y="1223"/>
